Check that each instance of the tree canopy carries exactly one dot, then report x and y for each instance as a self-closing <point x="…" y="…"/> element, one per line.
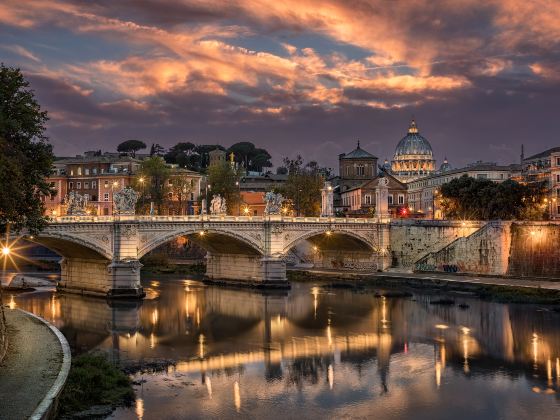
<point x="250" y="157"/>
<point x="482" y="199"/>
<point x="152" y="182"/>
<point x="26" y="158"/>
<point x="303" y="187"/>
<point x="131" y="147"/>
<point x="222" y="180"/>
<point x="191" y="156"/>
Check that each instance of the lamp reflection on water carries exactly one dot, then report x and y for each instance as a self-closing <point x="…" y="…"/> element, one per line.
<point x="139" y="408"/>
<point x="208" y="386"/>
<point x="330" y="375"/>
<point x="236" y="396"/>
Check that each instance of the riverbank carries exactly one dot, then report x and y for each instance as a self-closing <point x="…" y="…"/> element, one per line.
<point x="34" y="369"/>
<point x="507" y="290"/>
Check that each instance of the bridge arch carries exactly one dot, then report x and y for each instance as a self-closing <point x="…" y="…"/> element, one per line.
<point x="213" y="239"/>
<point x="73" y="246"/>
<point x="342" y="239"/>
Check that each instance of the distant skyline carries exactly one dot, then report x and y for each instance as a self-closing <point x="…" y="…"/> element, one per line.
<point x="480" y="77"/>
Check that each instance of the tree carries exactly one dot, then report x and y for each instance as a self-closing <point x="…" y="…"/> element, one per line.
<point x="152" y="182"/>
<point x="130" y="147"/>
<point x="182" y="154"/>
<point x="26" y="158"/>
<point x="482" y="199"/>
<point x="250" y="157"/>
<point x="157" y="150"/>
<point x="222" y="179"/>
<point x="181" y="188"/>
<point x="303" y="186"/>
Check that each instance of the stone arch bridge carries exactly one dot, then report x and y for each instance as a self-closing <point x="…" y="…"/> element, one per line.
<point x="100" y="254"/>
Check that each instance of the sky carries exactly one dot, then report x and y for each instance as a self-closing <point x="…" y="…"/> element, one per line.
<point x="481" y="77"/>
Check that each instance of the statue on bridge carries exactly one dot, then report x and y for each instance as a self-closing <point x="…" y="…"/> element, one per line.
<point x="273" y="203"/>
<point x="125" y="201"/>
<point x="218" y="205"/>
<point x="76" y="204"/>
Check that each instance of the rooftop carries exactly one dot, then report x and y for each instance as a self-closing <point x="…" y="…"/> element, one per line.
<point x="358" y="153"/>
<point x="543" y="154"/>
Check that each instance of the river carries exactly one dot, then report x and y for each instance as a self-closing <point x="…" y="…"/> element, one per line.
<point x="315" y="352"/>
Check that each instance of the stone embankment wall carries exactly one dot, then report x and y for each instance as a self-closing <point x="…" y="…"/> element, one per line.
<point x="520" y="249"/>
<point x="413" y="239"/>
<point x="535" y="250"/>
<point x="3" y="334"/>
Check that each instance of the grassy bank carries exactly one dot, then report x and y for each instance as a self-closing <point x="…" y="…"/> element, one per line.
<point x="94" y="381"/>
<point x="501" y="294"/>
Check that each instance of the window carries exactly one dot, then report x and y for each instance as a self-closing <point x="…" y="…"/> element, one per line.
<point x="93" y="184"/>
<point x="86" y="197"/>
<point x="170" y="195"/>
<point x="106" y="197"/>
<point x="78" y="185"/>
<point x="71" y="172"/>
<point x="558" y="161"/>
<point x="93" y="198"/>
<point x="70" y="185"/>
<point x="106" y="211"/>
<point x="390" y="199"/>
<point x="348" y="170"/>
<point x="401" y="198"/>
<point x="367" y="199"/>
<point x="94" y="171"/>
<point x="557" y="177"/>
<point x="170" y="182"/>
<point x="86" y="171"/>
<point x="79" y="170"/>
<point x="360" y="170"/>
<point x="482" y="176"/>
<point x="86" y="185"/>
<point x="106" y="184"/>
<point x="192" y="196"/>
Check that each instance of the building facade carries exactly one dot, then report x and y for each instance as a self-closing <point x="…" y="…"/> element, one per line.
<point x="545" y="167"/>
<point x="360" y="201"/>
<point x="98" y="177"/>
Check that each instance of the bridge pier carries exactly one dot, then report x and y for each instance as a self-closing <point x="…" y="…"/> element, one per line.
<point x="112" y="279"/>
<point x="251" y="270"/>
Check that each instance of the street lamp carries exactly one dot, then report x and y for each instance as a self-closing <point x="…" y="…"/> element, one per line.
<point x="6" y="251"/>
<point x="114" y="184"/>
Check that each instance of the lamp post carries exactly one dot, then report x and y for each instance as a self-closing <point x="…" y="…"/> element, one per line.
<point x="238" y="197"/>
<point x="113" y="185"/>
<point x="142" y="181"/>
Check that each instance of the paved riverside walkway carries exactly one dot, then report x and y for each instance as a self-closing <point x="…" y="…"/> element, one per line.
<point x="31" y="366"/>
<point x="431" y="277"/>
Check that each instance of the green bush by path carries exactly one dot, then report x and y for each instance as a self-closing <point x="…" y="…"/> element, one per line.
<point x="93" y="380"/>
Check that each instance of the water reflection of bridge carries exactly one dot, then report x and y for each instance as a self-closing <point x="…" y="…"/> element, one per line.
<point x="217" y="330"/>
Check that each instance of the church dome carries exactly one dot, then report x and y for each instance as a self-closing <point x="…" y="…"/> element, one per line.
<point x="413" y="144"/>
<point x="413" y="157"/>
<point x="445" y="166"/>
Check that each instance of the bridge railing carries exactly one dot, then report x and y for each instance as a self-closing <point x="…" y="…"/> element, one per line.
<point x="210" y="218"/>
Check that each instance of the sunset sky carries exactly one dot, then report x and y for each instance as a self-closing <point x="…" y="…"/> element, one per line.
<point x="481" y="77"/>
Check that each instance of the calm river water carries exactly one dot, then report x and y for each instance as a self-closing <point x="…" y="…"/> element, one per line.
<point x="318" y="353"/>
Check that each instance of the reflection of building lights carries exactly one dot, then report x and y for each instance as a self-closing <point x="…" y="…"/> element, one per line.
<point x="12" y="304"/>
<point x="315" y="293"/>
<point x="152" y="341"/>
<point x="329" y="334"/>
<point x="328" y="233"/>
<point x="330" y="376"/>
<point x="155" y="316"/>
<point x="201" y="346"/>
<point x="139" y="408"/>
<point x="535" y="342"/>
<point x="441" y="326"/>
<point x="208" y="386"/>
<point x="236" y="396"/>
<point x="549" y="372"/>
<point x="438" y="374"/>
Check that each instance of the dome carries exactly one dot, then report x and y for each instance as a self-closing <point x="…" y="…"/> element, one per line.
<point x="445" y="166"/>
<point x="413" y="144"/>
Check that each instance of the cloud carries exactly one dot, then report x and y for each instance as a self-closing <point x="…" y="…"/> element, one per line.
<point x="21" y="51"/>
